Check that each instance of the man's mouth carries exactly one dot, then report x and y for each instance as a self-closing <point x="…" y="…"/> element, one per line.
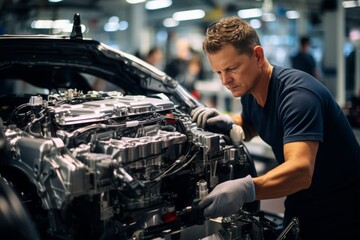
<point x="231" y="88"/>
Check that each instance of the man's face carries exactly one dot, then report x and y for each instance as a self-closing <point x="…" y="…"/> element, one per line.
<point x="238" y="72"/>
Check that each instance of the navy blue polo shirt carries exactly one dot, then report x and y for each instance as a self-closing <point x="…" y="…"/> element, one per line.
<point x="300" y="108"/>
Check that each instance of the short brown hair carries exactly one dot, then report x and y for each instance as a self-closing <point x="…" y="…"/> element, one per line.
<point x="231" y="30"/>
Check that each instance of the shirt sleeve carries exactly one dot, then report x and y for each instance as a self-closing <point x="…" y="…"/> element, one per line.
<point x="301" y="114"/>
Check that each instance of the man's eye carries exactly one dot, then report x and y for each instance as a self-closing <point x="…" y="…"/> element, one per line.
<point x="233" y="69"/>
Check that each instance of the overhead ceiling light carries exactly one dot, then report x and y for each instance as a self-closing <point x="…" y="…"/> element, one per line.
<point x="268" y="17"/>
<point x="61" y="25"/>
<point x="250" y="13"/>
<point x="157" y="4"/>
<point x="123" y="25"/>
<point x="293" y="14"/>
<point x="114" y="19"/>
<point x="170" y="22"/>
<point x="350" y="4"/>
<point x="114" y="24"/>
<point x="135" y="1"/>
<point x="69" y="28"/>
<point x="42" y="24"/>
<point x="255" y="23"/>
<point x="189" y="15"/>
<point x="111" y="27"/>
<point x="54" y="1"/>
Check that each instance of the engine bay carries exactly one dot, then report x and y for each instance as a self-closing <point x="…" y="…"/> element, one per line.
<point x="103" y="165"/>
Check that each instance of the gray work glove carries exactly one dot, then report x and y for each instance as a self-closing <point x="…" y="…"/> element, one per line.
<point x="228" y="197"/>
<point x="213" y="120"/>
<point x="210" y="117"/>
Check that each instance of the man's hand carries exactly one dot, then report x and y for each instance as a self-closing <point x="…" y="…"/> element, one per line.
<point x="211" y="119"/>
<point x="228" y="197"/>
<point x="237" y="134"/>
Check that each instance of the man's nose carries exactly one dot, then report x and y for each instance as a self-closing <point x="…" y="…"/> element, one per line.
<point x="225" y="78"/>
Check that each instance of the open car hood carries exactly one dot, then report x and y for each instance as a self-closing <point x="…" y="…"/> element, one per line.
<point x="53" y="62"/>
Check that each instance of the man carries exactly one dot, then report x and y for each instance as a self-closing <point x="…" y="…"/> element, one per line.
<point x="155" y="57"/>
<point x="303" y="60"/>
<point x="318" y="154"/>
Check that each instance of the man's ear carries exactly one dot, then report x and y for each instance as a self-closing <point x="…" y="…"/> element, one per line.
<point x="259" y="53"/>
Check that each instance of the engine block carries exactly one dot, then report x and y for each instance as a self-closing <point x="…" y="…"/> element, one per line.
<point x="103" y="159"/>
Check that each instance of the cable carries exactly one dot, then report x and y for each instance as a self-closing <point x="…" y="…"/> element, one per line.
<point x="16" y="110"/>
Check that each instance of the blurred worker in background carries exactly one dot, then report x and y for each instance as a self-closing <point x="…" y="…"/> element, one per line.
<point x="303" y="60"/>
<point x="186" y="67"/>
<point x="314" y="144"/>
<point x="155" y="57"/>
<point x="194" y="72"/>
<point x="177" y="66"/>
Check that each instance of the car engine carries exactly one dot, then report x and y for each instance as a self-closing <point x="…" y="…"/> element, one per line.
<point x="102" y="165"/>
